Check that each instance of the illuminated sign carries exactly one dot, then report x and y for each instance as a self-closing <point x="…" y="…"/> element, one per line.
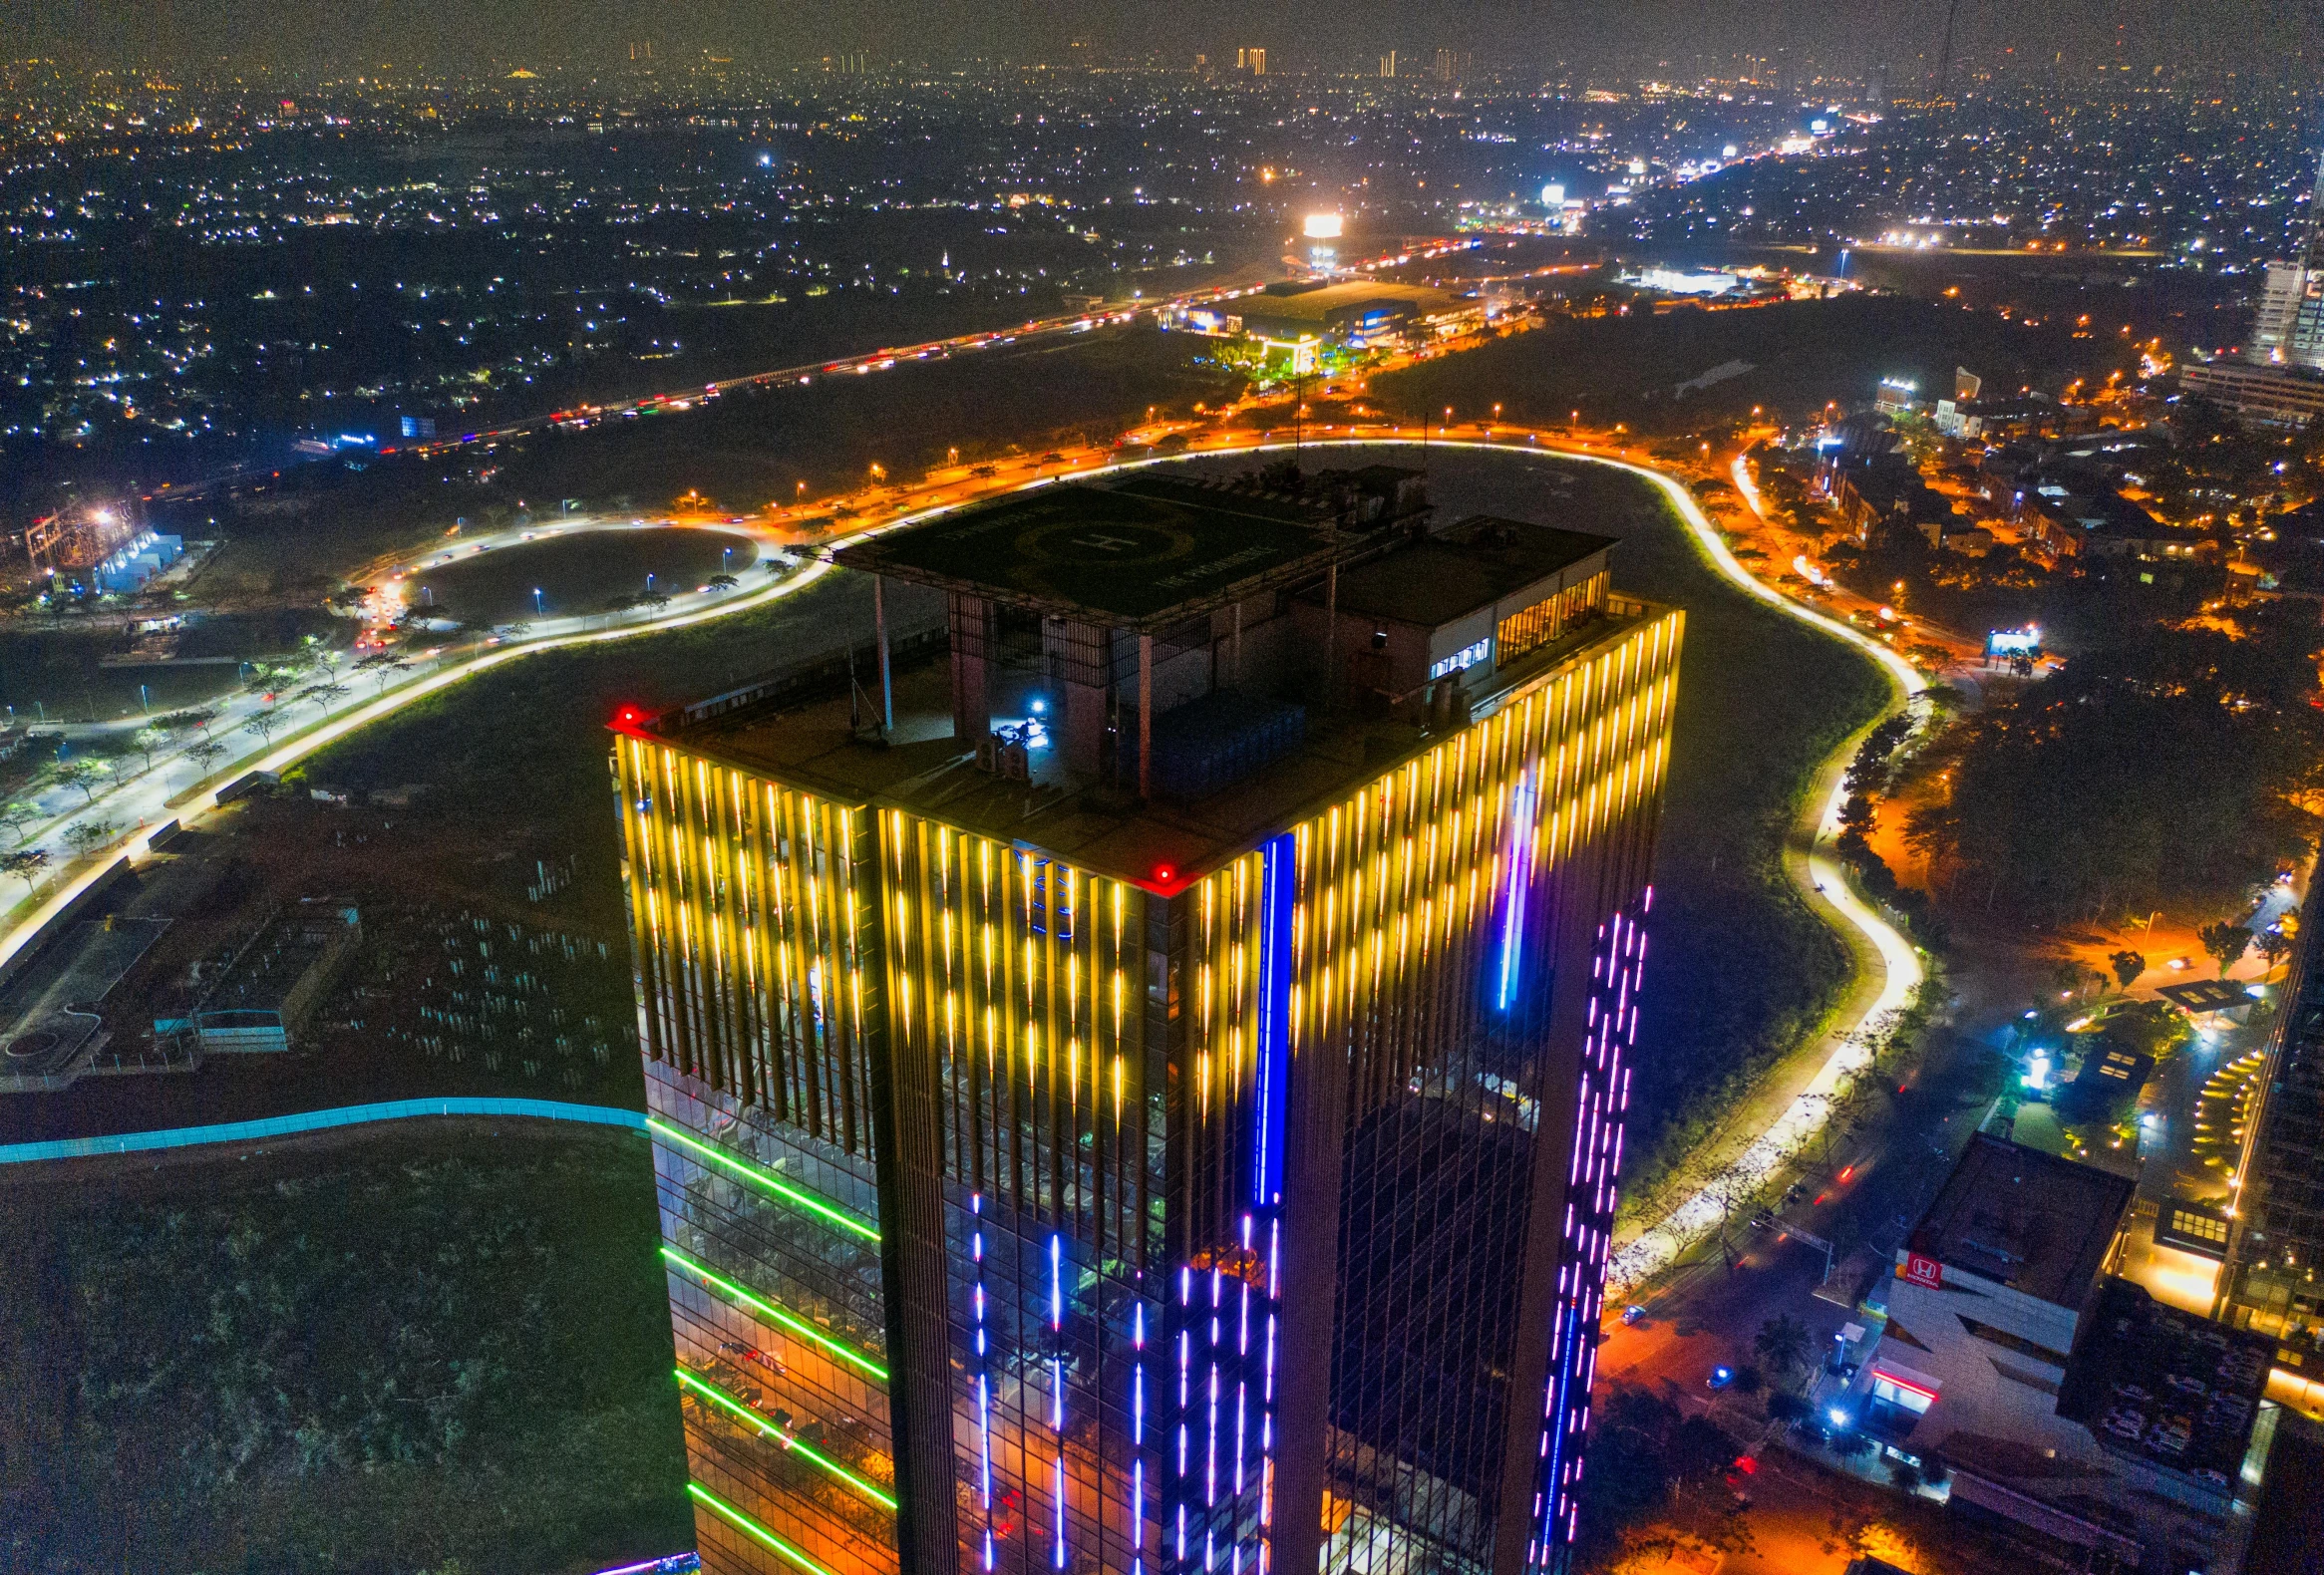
<point x="2014" y="642"/>
<point x="1322" y="226"/>
<point x="1553" y="195"/>
<point x="1923" y="1271"/>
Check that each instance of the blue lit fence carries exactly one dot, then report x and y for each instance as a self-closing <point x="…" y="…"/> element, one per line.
<point x="316" y="1121"/>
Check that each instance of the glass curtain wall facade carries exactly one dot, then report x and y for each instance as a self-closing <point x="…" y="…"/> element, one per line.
<point x="2269" y="1280"/>
<point x="1028" y="1217"/>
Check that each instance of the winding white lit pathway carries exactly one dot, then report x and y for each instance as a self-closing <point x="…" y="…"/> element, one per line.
<point x="1656" y="1246"/>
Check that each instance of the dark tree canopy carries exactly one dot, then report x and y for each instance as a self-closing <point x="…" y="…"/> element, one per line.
<point x="2172" y="771"/>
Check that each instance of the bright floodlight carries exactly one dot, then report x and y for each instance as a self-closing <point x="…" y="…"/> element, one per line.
<point x="1553" y="194"/>
<point x="1323" y="226"/>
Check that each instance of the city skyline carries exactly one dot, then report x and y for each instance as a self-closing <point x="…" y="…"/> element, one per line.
<point x="1904" y="45"/>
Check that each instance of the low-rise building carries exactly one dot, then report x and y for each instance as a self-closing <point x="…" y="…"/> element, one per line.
<point x="1294" y="320"/>
<point x="1988" y="1293"/>
<point x="2103" y="525"/>
<point x="2061" y="1398"/>
<point x="2285" y="395"/>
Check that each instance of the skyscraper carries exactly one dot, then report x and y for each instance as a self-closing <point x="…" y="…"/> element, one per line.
<point x="2288" y="324"/>
<point x="2276" y="1232"/>
<point x="1143" y="1094"/>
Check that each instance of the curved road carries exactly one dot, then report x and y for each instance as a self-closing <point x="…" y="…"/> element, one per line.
<point x="1656" y="1246"/>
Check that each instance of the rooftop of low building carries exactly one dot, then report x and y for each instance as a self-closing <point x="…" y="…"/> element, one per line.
<point x="2027" y="1219"/>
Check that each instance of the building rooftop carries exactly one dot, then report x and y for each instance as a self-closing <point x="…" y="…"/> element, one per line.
<point x="819" y="747"/>
<point x="1317" y="305"/>
<point x="1148" y="675"/>
<point x="1137" y="553"/>
<point x="1467" y="565"/>
<point x="2034" y="1222"/>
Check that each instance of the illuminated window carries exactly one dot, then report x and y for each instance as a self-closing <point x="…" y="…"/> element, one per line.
<point x="1550" y="618"/>
<point x="1459" y="661"/>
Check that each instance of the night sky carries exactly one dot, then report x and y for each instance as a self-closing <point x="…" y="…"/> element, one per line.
<point x="1519" y="36"/>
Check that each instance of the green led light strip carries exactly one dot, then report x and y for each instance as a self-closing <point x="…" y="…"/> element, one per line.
<point x="759" y="1304"/>
<point x="743" y="1523"/>
<point x="799" y="1446"/>
<point x="751" y="1174"/>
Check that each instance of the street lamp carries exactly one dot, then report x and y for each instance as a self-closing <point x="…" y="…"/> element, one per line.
<point x="535" y="601"/>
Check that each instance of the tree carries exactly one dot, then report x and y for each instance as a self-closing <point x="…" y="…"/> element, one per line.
<point x="205" y="753"/>
<point x="2195" y="758"/>
<point x="1785" y="1344"/>
<point x="2273" y="946"/>
<point x="325" y="695"/>
<point x="2127" y="966"/>
<point x="380" y="665"/>
<point x="2226" y="942"/>
<point x="149" y="740"/>
<point x="25" y="864"/>
<point x="1732" y="1191"/>
<point x="722" y="582"/>
<point x="84" y="775"/>
<point x="16" y="816"/>
<point x="264" y="723"/>
<point x="2070" y="976"/>
<point x="87" y="837"/>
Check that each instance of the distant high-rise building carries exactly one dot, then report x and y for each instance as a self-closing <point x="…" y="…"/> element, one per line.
<point x="2276" y="1236"/>
<point x="1453" y="64"/>
<point x="2287" y="328"/>
<point x="641" y="49"/>
<point x="1388" y="63"/>
<point x="1137" y="1082"/>
<point x="1254" y="61"/>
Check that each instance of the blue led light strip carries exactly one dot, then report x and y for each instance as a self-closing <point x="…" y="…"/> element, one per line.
<point x="1278" y="889"/>
<point x="1520" y="855"/>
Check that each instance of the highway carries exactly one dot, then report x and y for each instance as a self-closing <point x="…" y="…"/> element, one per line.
<point x="582" y="417"/>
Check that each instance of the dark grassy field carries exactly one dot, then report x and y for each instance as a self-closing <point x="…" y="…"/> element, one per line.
<point x="1799" y="354"/>
<point x="743" y="452"/>
<point x="383" y="1353"/>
